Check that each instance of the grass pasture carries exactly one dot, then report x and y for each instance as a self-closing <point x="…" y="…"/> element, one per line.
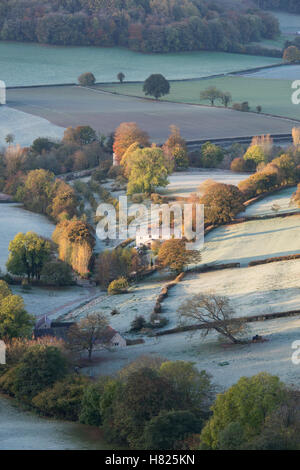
<point x="274" y="95"/>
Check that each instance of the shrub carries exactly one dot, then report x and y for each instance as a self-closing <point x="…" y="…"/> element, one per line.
<point x="255" y="153"/>
<point x="119" y="286"/>
<point x="211" y="155"/>
<point x="157" y="321"/>
<point x="90" y="406"/>
<point x="240" y="165"/>
<point x="138" y="324"/>
<point x="57" y="273"/>
<point x="87" y="79"/>
<point x="63" y="399"/>
<point x="244" y="107"/>
<point x="222" y="203"/>
<point x="248" y="402"/>
<point x="169" y="428"/>
<point x="40" y="368"/>
<point x="8" y="381"/>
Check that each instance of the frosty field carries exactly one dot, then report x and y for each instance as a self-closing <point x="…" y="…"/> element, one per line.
<point x="184" y="183"/>
<point x="25" y="127"/>
<point x="258" y="290"/>
<point x="253" y="240"/>
<point x="35" y="64"/>
<point x="14" y="219"/>
<point x="273" y="356"/>
<point x="52" y="302"/>
<point x="276" y="203"/>
<point x="139" y="301"/>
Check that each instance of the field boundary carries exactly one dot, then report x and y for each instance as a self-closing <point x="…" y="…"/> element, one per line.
<point x="253" y="69"/>
<point x="251" y="319"/>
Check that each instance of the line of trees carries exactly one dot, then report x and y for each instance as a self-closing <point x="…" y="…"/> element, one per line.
<point x="153" y="403"/>
<point x="292" y="6"/>
<point x="148" y="26"/>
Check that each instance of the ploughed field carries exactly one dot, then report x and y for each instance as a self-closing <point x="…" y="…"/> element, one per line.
<point x="72" y="106"/>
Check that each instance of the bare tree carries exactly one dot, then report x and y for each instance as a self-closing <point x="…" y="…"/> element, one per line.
<point x="90" y="333"/>
<point x="212" y="312"/>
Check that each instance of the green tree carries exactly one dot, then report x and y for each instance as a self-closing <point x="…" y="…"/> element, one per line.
<point x="40" y="368"/>
<point x="291" y="55"/>
<point x="62" y="400"/>
<point x="248" y="403"/>
<point x="174" y="255"/>
<point x="87" y="79"/>
<point x="148" y="171"/>
<point x="193" y="386"/>
<point x="57" y="273"/>
<point x="156" y="85"/>
<point x="211" y="94"/>
<point x="255" y="153"/>
<point x="28" y="253"/>
<point x="226" y="98"/>
<point x="38" y="191"/>
<point x="90" y="407"/>
<point x="81" y="135"/>
<point x="175" y="150"/>
<point x="222" y="202"/>
<point x="14" y="320"/>
<point x="41" y="145"/>
<point x="118" y="286"/>
<point x="9" y="139"/>
<point x="142" y="397"/>
<point x="232" y="437"/>
<point x="169" y="428"/>
<point x="121" y="77"/>
<point x="211" y="155"/>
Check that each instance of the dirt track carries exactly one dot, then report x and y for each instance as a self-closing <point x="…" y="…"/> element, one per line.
<point x="71" y="106"/>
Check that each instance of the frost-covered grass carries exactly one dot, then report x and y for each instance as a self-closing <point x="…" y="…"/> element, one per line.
<point x="187" y="182"/>
<point x="253" y="240"/>
<point x="139" y="301"/>
<point x="15" y="219"/>
<point x="34" y="64"/>
<point x="54" y="302"/>
<point x="21" y="430"/>
<point x="268" y="288"/>
<point x="26" y="127"/>
<point x="210" y="354"/>
<point x="280" y="202"/>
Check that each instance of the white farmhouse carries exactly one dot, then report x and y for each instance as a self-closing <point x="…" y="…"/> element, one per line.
<point x="114" y="339"/>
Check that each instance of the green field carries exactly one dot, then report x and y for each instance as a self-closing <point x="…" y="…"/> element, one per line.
<point x="273" y="95"/>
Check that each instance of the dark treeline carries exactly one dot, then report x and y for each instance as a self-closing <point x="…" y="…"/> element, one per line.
<point x="292" y="6"/>
<point x="141" y="25"/>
